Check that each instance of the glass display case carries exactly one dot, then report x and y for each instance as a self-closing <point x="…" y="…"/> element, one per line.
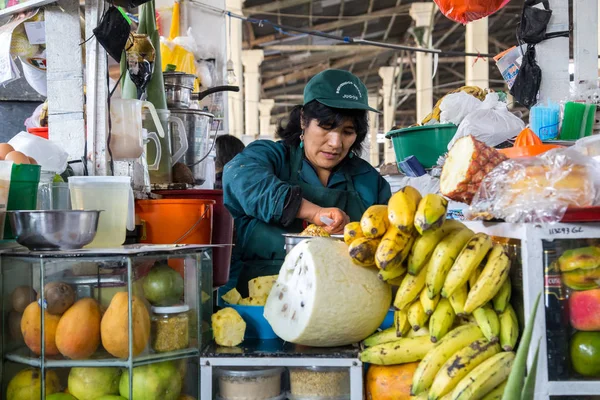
<point x="137" y="314"/>
<point x="562" y="263"/>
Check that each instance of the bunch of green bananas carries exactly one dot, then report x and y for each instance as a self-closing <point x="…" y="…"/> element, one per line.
<point x="453" y="302"/>
<point x="580" y="268"/>
<point x="472" y="90"/>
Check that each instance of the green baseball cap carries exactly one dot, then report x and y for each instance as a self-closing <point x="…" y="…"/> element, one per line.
<point x="338" y="89"/>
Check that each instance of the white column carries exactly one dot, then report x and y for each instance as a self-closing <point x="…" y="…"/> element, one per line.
<point x="477" y="70"/>
<point x="373" y="129"/>
<point x="422" y="13"/>
<point x="585" y="40"/>
<point x="252" y="60"/>
<point x="264" y="108"/>
<point x="235" y="101"/>
<point x="553" y="55"/>
<point x="388" y="75"/>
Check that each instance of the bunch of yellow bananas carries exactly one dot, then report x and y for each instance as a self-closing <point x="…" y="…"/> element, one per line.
<point x="453" y="299"/>
<point x="472" y="90"/>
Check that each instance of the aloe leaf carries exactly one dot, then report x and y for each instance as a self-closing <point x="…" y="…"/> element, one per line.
<point x="529" y="388"/>
<point x="516" y="378"/>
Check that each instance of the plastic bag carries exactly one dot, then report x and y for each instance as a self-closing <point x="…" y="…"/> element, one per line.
<point x="528" y="81"/>
<point x="492" y="123"/>
<point x="178" y="50"/>
<point x="49" y="155"/>
<point x="537" y="189"/>
<point x="456" y="106"/>
<point x="534" y="21"/>
<point x="35" y="120"/>
<point x="465" y="11"/>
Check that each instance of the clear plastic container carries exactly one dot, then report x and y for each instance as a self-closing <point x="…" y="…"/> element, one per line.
<point x="111" y="194"/>
<point x="251" y="383"/>
<point x="170" y="328"/>
<point x="319" y="383"/>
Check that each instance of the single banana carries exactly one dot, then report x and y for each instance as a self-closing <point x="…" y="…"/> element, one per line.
<point x="392" y="282"/>
<point x="497" y="393"/>
<point x="410" y="289"/>
<point x="416" y="315"/>
<point x="381" y="337"/>
<point x="403" y="350"/>
<point x="502" y="298"/>
<point x="352" y="231"/>
<point x="428" y="304"/>
<point x="430" y="213"/>
<point x="474" y="275"/>
<point x="374" y="222"/>
<point x="441" y="320"/>
<point x="459" y="365"/>
<point x="469" y="258"/>
<point x="443" y="257"/>
<point x="458" y="300"/>
<point x="362" y="251"/>
<point x="413" y="193"/>
<point x="509" y="328"/>
<point x="391" y="249"/>
<point x="421" y="332"/>
<point x="424" y="245"/>
<point x="433" y="361"/>
<point x="401" y="323"/>
<point x="491" y="279"/>
<point x="488" y="321"/>
<point x="485" y="377"/>
<point x="401" y="210"/>
<point x="422" y="396"/>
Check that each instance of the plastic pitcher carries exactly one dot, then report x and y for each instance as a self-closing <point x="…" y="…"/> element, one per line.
<point x="173" y="127"/>
<point x="127" y="141"/>
<point x="113" y="195"/>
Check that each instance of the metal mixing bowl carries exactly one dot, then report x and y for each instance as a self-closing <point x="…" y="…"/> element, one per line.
<point x="291" y="240"/>
<point x="54" y="230"/>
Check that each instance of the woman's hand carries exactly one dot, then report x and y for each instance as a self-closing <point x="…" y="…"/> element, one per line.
<point x="313" y="213"/>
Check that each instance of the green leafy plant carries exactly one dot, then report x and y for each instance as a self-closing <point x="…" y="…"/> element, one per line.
<point x="520" y="386"/>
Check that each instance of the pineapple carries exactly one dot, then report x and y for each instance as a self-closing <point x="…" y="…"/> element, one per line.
<point x="261" y="286"/>
<point x="468" y="162"/>
<point x="228" y="327"/>
<point x="314" y="230"/>
<point x="232" y="297"/>
<point x="253" y="301"/>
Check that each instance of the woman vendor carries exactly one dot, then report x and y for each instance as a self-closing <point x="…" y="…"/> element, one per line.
<point x="315" y="171"/>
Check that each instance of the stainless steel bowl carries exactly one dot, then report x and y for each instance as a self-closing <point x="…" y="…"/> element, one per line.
<point x="54" y="230"/>
<point x="291" y="240"/>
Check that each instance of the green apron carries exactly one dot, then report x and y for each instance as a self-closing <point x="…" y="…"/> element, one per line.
<point x="264" y="251"/>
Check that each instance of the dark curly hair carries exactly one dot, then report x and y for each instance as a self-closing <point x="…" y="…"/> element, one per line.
<point x="227" y="147"/>
<point x="290" y="128"/>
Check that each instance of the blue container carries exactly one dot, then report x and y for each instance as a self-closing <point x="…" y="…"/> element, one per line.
<point x="257" y="326"/>
<point x="388" y="321"/>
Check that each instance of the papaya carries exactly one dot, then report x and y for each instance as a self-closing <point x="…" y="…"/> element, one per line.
<point x="78" y="331"/>
<point x="114" y="326"/>
<point x="31" y="328"/>
<point x="582" y="279"/>
<point x="390" y="382"/>
<point x="27" y="384"/>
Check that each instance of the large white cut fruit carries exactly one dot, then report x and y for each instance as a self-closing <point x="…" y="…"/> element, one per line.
<point x="322" y="299"/>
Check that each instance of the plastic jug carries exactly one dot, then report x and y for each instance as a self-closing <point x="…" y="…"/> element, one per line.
<point x="174" y="133"/>
<point x="127" y="141"/>
<point x="113" y="195"/>
<point x="48" y="154"/>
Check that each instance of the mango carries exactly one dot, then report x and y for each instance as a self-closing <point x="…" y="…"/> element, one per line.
<point x="582" y="279"/>
<point x="115" y="322"/>
<point x="584" y="310"/>
<point x="31" y="328"/>
<point x="92" y="382"/>
<point x="158" y="381"/>
<point x="582" y="258"/>
<point x="27" y="385"/>
<point x="78" y="331"/>
<point x="585" y="353"/>
<point x="61" y="396"/>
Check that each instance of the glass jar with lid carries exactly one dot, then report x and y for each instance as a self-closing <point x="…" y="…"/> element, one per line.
<point x="311" y="383"/>
<point x="170" y="328"/>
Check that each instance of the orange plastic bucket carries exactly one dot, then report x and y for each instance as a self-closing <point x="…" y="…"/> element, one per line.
<point x="176" y="221"/>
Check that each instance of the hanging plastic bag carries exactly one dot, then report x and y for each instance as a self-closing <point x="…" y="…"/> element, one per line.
<point x="172" y="50"/>
<point x="534" y="20"/>
<point x="528" y="81"/>
<point x="492" y="123"/>
<point x="465" y="11"/>
<point x="456" y="106"/>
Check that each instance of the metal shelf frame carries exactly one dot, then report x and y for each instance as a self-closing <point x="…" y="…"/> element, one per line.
<point x="532" y="237"/>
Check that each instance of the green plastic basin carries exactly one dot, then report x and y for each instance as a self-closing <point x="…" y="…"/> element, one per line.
<point x="22" y="195"/>
<point x="426" y="143"/>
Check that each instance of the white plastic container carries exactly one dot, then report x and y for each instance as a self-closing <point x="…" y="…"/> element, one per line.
<point x="319" y="383"/>
<point x="250" y="383"/>
<point x="111" y="194"/>
<point x="49" y="155"/>
<point x="127" y="141"/>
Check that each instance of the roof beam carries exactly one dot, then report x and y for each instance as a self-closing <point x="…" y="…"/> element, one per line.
<point x="273" y="6"/>
<point x="284" y="48"/>
<point x="294" y="76"/>
<point x="332" y="25"/>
